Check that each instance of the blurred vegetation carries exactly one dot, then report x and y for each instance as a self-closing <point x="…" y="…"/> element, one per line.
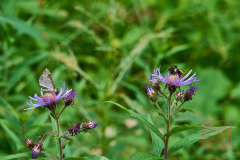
<point x="106" y="49"/>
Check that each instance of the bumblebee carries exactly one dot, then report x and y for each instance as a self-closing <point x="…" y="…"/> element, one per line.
<point x="175" y="70"/>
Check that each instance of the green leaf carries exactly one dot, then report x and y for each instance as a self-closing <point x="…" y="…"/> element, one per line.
<point x="14" y="156"/>
<point x="145" y="156"/>
<point x="183" y="110"/>
<point x="21" y="26"/>
<point x="13" y="139"/>
<point x="77" y="158"/>
<point x="195" y="137"/>
<point x="178" y="129"/>
<point x="92" y="157"/>
<point x="67" y="151"/>
<point x="157" y="142"/>
<point x="139" y="117"/>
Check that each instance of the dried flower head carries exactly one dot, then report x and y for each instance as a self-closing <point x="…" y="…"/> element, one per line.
<point x="70" y="97"/>
<point x="179" y="96"/>
<point x="89" y="125"/>
<point x="37" y="150"/>
<point x="190" y="92"/>
<point x="151" y="93"/>
<point x="75" y="128"/>
<point x="29" y="143"/>
<point x="48" y="100"/>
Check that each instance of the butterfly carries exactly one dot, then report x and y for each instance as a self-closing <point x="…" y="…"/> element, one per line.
<point x="45" y="81"/>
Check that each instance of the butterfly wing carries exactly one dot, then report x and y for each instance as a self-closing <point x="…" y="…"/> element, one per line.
<point x="46" y="81"/>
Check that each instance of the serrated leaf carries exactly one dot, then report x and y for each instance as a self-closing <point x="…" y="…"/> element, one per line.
<point x="157" y="142"/>
<point x="195" y="137"/>
<point x="178" y="129"/>
<point x="145" y="156"/>
<point x="142" y="119"/>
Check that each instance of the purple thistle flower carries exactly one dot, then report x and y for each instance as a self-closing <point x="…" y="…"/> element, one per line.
<point x="151" y="93"/>
<point x="48" y="100"/>
<point x="190" y="92"/>
<point x="75" y="128"/>
<point x="69" y="99"/>
<point x="174" y="79"/>
<point x="37" y="150"/>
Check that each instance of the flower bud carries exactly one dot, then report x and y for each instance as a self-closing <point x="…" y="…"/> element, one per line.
<point x="70" y="97"/>
<point x="75" y="128"/>
<point x="179" y="96"/>
<point x="189" y="93"/>
<point x="37" y="150"/>
<point x="151" y="93"/>
<point x="29" y="143"/>
<point x="89" y="125"/>
<point x="154" y="83"/>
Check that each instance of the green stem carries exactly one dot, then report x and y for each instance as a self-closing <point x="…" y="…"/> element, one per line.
<point x="168" y="126"/>
<point x="178" y="108"/>
<point x="161" y="110"/>
<point x="58" y="134"/>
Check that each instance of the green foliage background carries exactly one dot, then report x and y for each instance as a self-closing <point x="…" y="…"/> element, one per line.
<point x="106" y="49"/>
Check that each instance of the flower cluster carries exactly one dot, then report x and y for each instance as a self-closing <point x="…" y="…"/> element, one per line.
<point x="84" y="127"/>
<point x="172" y="81"/>
<point x="51" y="99"/>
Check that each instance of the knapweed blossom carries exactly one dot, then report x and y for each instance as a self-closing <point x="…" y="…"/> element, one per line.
<point x="69" y="99"/>
<point x="151" y="93"/>
<point x="190" y="92"/>
<point x="48" y="100"/>
<point x="174" y="81"/>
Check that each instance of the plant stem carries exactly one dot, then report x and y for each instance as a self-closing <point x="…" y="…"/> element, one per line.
<point x="58" y="134"/>
<point x="168" y="126"/>
<point x="48" y="156"/>
<point x="161" y="110"/>
<point x="178" y="108"/>
<point x="65" y="139"/>
<point x="163" y="94"/>
<point x="61" y="112"/>
<point x="47" y="134"/>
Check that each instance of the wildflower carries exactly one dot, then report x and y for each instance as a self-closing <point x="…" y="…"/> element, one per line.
<point x="174" y="81"/>
<point x="29" y="143"/>
<point x="48" y="100"/>
<point x="69" y="99"/>
<point x="151" y="93"/>
<point x="75" y="128"/>
<point x="190" y="92"/>
<point x="154" y="83"/>
<point x="89" y="125"/>
<point x="179" y="96"/>
<point x="37" y="149"/>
